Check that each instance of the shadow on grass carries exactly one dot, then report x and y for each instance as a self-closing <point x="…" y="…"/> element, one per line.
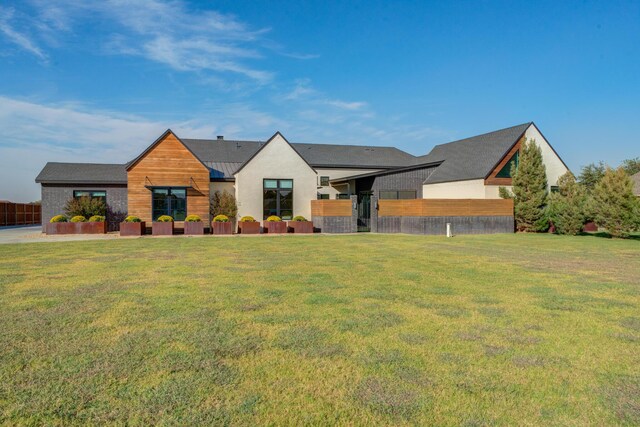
<point x="605" y="235"/>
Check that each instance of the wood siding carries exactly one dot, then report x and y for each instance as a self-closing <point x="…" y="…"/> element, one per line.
<point x="19" y="213"/>
<point x="492" y="179"/>
<point x="331" y="208"/>
<point x="446" y="207"/>
<point x="168" y="164"/>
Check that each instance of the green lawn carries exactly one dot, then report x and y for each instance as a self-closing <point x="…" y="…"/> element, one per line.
<point x="363" y="329"/>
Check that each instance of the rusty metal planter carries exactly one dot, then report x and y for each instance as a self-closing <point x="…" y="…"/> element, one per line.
<point x="132" y="228"/>
<point x="222" y="227"/>
<point x="194" y="228"/>
<point x="275" y="227"/>
<point x="61" y="228"/>
<point x="300" y="226"/>
<point x="162" y="228"/>
<point x="91" y="227"/>
<point x="249" y="227"/>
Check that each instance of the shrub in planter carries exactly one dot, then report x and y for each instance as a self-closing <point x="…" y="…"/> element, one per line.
<point x="78" y="218"/>
<point x="59" y="225"/>
<point x="163" y="226"/>
<point x="97" y="218"/>
<point x="58" y="218"/>
<point x="193" y="225"/>
<point x="299" y="224"/>
<point x="275" y="224"/>
<point x="248" y="225"/>
<point x="222" y="225"/>
<point x="132" y="226"/>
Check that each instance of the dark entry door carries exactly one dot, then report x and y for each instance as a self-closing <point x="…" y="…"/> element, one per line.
<point x="364" y="211"/>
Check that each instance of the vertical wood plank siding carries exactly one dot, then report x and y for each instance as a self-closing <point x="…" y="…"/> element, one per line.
<point x="19" y="214"/>
<point x="445" y="207"/>
<point x="168" y="164"/>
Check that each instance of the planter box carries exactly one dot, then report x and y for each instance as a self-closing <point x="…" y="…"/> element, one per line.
<point x="222" y="227"/>
<point x="279" y="227"/>
<point x="91" y="227"/>
<point x="194" y="228"/>
<point x="61" y="228"/>
<point x="132" y="228"/>
<point x="249" y="227"/>
<point x="162" y="228"/>
<point x="300" y="226"/>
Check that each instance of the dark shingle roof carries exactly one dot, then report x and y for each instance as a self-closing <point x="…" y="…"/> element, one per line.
<point x="223" y="170"/>
<point x="471" y="158"/>
<point x="330" y="155"/>
<point x="82" y="173"/>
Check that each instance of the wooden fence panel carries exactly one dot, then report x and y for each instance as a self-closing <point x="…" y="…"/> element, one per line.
<point x="446" y="207"/>
<point x="331" y="207"/>
<point x="19" y="214"/>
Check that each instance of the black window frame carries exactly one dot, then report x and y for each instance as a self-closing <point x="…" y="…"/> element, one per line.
<point x="323" y="196"/>
<point x="343" y="196"/>
<point x="169" y="210"/>
<point x="396" y="194"/>
<point x="324" y="181"/>
<point x="90" y="195"/>
<point x="277" y="189"/>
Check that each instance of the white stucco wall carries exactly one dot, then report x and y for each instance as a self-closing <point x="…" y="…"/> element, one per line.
<point x="339" y="173"/>
<point x="222" y="186"/>
<point x="471" y="189"/>
<point x="277" y="160"/>
<point x="554" y="166"/>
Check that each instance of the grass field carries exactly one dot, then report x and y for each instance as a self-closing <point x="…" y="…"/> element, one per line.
<point x="362" y="329"/>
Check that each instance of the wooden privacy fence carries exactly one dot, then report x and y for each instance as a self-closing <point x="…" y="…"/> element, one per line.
<point x="19" y="214"/>
<point x="445" y="207"/>
<point x="331" y="207"/>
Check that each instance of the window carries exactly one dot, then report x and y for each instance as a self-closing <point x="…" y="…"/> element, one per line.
<point x="324" y="181"/>
<point x="394" y="195"/>
<point x="505" y="172"/>
<point x="278" y="198"/>
<point x="169" y="201"/>
<point x="554" y="188"/>
<point x="343" y="196"/>
<point x="91" y="194"/>
<point x="323" y="196"/>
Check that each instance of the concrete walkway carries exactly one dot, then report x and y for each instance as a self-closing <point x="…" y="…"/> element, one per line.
<point x="34" y="234"/>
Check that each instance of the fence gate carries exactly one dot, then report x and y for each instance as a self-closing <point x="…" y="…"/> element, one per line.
<point x="364" y="211"/>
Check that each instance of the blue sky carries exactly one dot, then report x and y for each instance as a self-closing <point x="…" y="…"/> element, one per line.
<point x="99" y="81"/>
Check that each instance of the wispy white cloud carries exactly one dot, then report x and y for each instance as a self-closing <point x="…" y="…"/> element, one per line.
<point x="21" y="39"/>
<point x="347" y="105"/>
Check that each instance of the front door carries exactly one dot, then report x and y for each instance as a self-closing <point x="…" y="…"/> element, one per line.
<point x="364" y="211"/>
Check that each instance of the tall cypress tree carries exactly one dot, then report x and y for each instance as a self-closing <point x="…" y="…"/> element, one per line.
<point x="567" y="206"/>
<point x="530" y="189"/>
<point x="615" y="206"/>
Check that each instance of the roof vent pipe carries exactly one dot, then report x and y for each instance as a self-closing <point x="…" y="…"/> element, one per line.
<point x="220" y="137"/>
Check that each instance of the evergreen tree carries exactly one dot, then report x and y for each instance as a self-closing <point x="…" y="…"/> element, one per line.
<point x="530" y="189"/>
<point x="591" y="174"/>
<point x="567" y="206"/>
<point x="631" y="166"/>
<point x="615" y="206"/>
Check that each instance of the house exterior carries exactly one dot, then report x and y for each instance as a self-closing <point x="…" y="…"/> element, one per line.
<point x="177" y="177"/>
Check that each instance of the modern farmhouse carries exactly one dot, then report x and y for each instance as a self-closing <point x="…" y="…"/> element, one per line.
<point x="176" y="176"/>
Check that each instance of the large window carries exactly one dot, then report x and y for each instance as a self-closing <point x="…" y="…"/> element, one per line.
<point x="395" y="194"/>
<point x="169" y="201"/>
<point x="505" y="172"/>
<point x="92" y="194"/>
<point x="324" y="181"/>
<point x="278" y="198"/>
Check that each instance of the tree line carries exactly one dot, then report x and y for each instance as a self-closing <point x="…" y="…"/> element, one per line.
<point x="600" y="194"/>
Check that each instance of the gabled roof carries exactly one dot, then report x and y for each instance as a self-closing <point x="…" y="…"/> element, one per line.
<point x="166" y="133"/>
<point x="82" y="173"/>
<point x="267" y="143"/>
<point x="386" y="172"/>
<point x="317" y="155"/>
<point x="223" y="171"/>
<point x="472" y="158"/>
